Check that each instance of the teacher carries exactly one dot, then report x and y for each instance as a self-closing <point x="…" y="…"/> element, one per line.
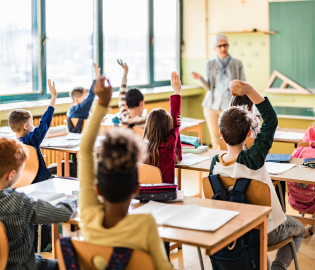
<point x="219" y="73"/>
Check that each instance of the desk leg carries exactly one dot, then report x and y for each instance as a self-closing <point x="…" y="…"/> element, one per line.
<point x="200" y="184"/>
<point x="67" y="165"/>
<point x="199" y="128"/>
<point x="55" y="238"/>
<point x="179" y="179"/>
<point x="59" y="164"/>
<point x="263" y="244"/>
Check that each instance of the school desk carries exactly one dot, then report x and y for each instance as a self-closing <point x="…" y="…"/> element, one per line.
<point x="250" y="217"/>
<point x="295" y="141"/>
<point x="68" y="151"/>
<point x="193" y="125"/>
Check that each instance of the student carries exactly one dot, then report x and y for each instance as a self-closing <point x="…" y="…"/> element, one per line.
<point x="83" y="99"/>
<point x="245" y="101"/>
<point x="108" y="223"/>
<point x="161" y="133"/>
<point x="21" y="122"/>
<point x="131" y="102"/>
<point x="234" y="125"/>
<point x="18" y="212"/>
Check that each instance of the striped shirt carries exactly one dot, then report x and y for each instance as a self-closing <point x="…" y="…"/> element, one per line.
<point x="255" y="127"/>
<point x="18" y="213"/>
<point x="125" y="119"/>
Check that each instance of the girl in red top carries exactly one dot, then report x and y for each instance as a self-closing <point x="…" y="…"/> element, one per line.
<point x="162" y="133"/>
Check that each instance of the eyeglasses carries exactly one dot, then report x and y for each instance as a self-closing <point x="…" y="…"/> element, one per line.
<point x="222" y="46"/>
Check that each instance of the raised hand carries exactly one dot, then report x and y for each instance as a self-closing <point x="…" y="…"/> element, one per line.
<point x="52" y="89"/>
<point x="103" y="92"/>
<point x="195" y="75"/>
<point x="239" y="88"/>
<point x="124" y="66"/>
<point x="176" y="84"/>
<point x="97" y="71"/>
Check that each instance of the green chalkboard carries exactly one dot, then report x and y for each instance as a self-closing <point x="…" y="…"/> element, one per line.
<point x="292" y="48"/>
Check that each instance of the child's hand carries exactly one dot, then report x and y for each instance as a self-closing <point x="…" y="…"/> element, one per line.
<point x="239" y="88"/>
<point x="179" y="120"/>
<point x="195" y="75"/>
<point x="103" y="92"/>
<point x="97" y="71"/>
<point x="176" y="84"/>
<point x="124" y="66"/>
<point x="52" y="89"/>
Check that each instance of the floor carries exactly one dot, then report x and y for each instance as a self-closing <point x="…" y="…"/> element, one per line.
<point x="187" y="257"/>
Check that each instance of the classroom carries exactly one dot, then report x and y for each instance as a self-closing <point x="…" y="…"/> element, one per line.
<point x="157" y="134"/>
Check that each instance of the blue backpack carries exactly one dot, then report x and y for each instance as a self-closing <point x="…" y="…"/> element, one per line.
<point x="245" y="254"/>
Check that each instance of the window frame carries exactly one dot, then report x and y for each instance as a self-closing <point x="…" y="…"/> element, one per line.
<point x="39" y="72"/>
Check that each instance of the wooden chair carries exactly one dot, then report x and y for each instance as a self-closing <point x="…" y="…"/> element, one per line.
<point x="303" y="144"/>
<point x="248" y="142"/>
<point x="85" y="252"/>
<point x="149" y="174"/>
<point x="30" y="170"/>
<point x="4" y="247"/>
<point x="257" y="193"/>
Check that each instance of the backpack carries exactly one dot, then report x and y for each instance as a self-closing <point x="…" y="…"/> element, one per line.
<point x="244" y="253"/>
<point x="302" y="196"/>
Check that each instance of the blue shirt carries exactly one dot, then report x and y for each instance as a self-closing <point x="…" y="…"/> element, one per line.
<point x="82" y="110"/>
<point x="35" y="138"/>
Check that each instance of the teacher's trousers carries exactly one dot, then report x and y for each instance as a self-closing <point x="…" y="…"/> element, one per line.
<point x="212" y="119"/>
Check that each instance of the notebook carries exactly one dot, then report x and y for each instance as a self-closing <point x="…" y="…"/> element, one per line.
<point x="289" y="135"/>
<point x="187" y="216"/>
<point x="197" y="150"/>
<point x="51" y="197"/>
<point x="192" y="159"/>
<point x="278" y="168"/>
<point x="280" y="158"/>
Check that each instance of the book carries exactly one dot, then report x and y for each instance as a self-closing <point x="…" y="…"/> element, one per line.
<point x="278" y="168"/>
<point x="280" y="158"/>
<point x="197" y="150"/>
<point x="188" y="146"/>
<point x="61" y="130"/>
<point x="187" y="216"/>
<point x="192" y="159"/>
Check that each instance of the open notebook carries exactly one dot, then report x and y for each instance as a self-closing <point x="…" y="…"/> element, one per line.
<point x="187" y="216"/>
<point x="192" y="159"/>
<point x="51" y="197"/>
<point x="278" y="168"/>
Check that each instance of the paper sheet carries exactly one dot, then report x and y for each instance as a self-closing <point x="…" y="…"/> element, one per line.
<point x="52" y="198"/>
<point x="192" y="159"/>
<point x="187" y="216"/>
<point x="289" y="135"/>
<point x="278" y="168"/>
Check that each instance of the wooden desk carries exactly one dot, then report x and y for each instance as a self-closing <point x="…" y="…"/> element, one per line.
<point x="68" y="151"/>
<point x="197" y="127"/>
<point x="295" y="141"/>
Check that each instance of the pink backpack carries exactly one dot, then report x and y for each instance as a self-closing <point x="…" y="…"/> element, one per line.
<point x="302" y="196"/>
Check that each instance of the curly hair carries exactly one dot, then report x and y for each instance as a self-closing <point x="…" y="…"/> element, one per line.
<point x="12" y="155"/>
<point x="234" y="124"/>
<point x="117" y="168"/>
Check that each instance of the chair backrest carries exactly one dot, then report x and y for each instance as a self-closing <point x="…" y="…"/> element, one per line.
<point x="74" y="122"/>
<point x="85" y="252"/>
<point x="31" y="168"/>
<point x="4" y="247"/>
<point x="303" y="144"/>
<point x="137" y="130"/>
<point x="258" y="193"/>
<point x="148" y="174"/>
<point x="248" y="142"/>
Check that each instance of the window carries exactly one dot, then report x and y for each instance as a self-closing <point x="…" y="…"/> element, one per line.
<point x="126" y="38"/>
<point x="60" y="40"/>
<point x="17" y="47"/>
<point x="69" y="28"/>
<point x="165" y="39"/>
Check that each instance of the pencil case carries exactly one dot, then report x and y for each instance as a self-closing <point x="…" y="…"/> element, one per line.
<point x="190" y="140"/>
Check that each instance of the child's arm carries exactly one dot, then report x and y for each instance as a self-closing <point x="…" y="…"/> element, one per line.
<point x="255" y="156"/>
<point x="38" y="134"/>
<point x="122" y="92"/>
<point x="86" y="105"/>
<point x="86" y="171"/>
